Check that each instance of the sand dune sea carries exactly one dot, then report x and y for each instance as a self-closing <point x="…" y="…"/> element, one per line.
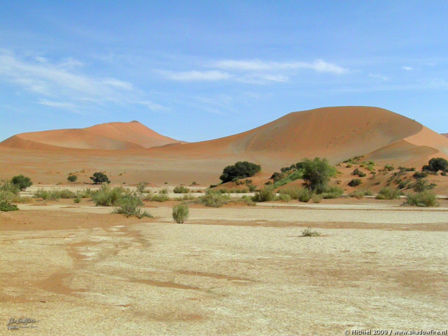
<point x="131" y="152"/>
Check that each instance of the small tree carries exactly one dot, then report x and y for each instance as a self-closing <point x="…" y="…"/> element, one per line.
<point x="22" y="182"/>
<point x="72" y="178"/>
<point x="180" y="213"/>
<point x="99" y="178"/>
<point x="317" y="173"/>
<point x="241" y="169"/>
<point x="436" y="164"/>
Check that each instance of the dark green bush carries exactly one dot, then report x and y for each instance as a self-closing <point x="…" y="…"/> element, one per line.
<point x="241" y="169"/>
<point x="72" y="178"/>
<point x="22" y="182"/>
<point x="422" y="185"/>
<point x="358" y="172"/>
<point x="99" y="178"/>
<point x="354" y="182"/>
<point x="419" y="175"/>
<point x="436" y="164"/>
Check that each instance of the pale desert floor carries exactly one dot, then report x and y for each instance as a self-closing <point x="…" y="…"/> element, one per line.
<point x="79" y="270"/>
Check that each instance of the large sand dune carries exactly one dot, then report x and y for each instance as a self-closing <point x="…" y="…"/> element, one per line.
<point x="110" y="136"/>
<point x="136" y="153"/>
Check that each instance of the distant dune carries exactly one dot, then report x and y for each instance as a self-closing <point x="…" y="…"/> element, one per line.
<point x="110" y="136"/>
<point x="445" y="134"/>
<point x="131" y="152"/>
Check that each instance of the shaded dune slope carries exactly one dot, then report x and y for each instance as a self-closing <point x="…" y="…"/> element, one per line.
<point x="109" y="136"/>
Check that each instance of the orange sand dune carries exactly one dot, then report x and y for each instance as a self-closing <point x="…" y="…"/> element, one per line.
<point x="334" y="132"/>
<point x="110" y="136"/>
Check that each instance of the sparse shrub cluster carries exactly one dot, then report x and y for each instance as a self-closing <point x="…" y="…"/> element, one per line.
<point x="361" y="193"/>
<point x="130" y="205"/>
<point x="422" y="199"/>
<point x="214" y="199"/>
<point x="108" y="196"/>
<point x="388" y="194"/>
<point x="54" y="194"/>
<point x="181" y="190"/>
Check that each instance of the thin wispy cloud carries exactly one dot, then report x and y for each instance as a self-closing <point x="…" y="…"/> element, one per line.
<point x="57" y="104"/>
<point x="252" y="71"/>
<point x="379" y="77"/>
<point x="258" y="65"/>
<point x="60" y="85"/>
<point x="407" y="68"/>
<point x="191" y="76"/>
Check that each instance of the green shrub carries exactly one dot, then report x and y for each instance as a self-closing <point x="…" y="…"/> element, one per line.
<point x="22" y="182"/>
<point x="157" y="198"/>
<point x="332" y="192"/>
<point x="239" y="170"/>
<point x="107" y="196"/>
<point x="6" y="206"/>
<point x="304" y="195"/>
<point x="388" y="194"/>
<point x="247" y="200"/>
<point x="129" y="205"/>
<point x="317" y="173"/>
<point x="354" y="182"/>
<point x="9" y="191"/>
<point x="72" y="178"/>
<point x="316" y="198"/>
<point x="422" y="199"/>
<point x="264" y="195"/>
<point x="358" y="172"/>
<point x="284" y="197"/>
<point x="181" y="190"/>
<point x="141" y="187"/>
<point x="388" y="167"/>
<point x="293" y="192"/>
<point x="180" y="213"/>
<point x="54" y="194"/>
<point x="214" y="199"/>
<point x="99" y="178"/>
<point x="163" y="191"/>
<point x="419" y="175"/>
<point x="422" y="185"/>
<point x="360" y="193"/>
<point x="310" y="233"/>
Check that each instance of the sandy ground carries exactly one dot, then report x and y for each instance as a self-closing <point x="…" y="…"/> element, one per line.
<point x="78" y="270"/>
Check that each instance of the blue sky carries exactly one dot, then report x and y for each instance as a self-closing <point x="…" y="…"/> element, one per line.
<point x="196" y="70"/>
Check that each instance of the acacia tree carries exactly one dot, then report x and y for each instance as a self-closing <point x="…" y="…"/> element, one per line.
<point x="317" y="173"/>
